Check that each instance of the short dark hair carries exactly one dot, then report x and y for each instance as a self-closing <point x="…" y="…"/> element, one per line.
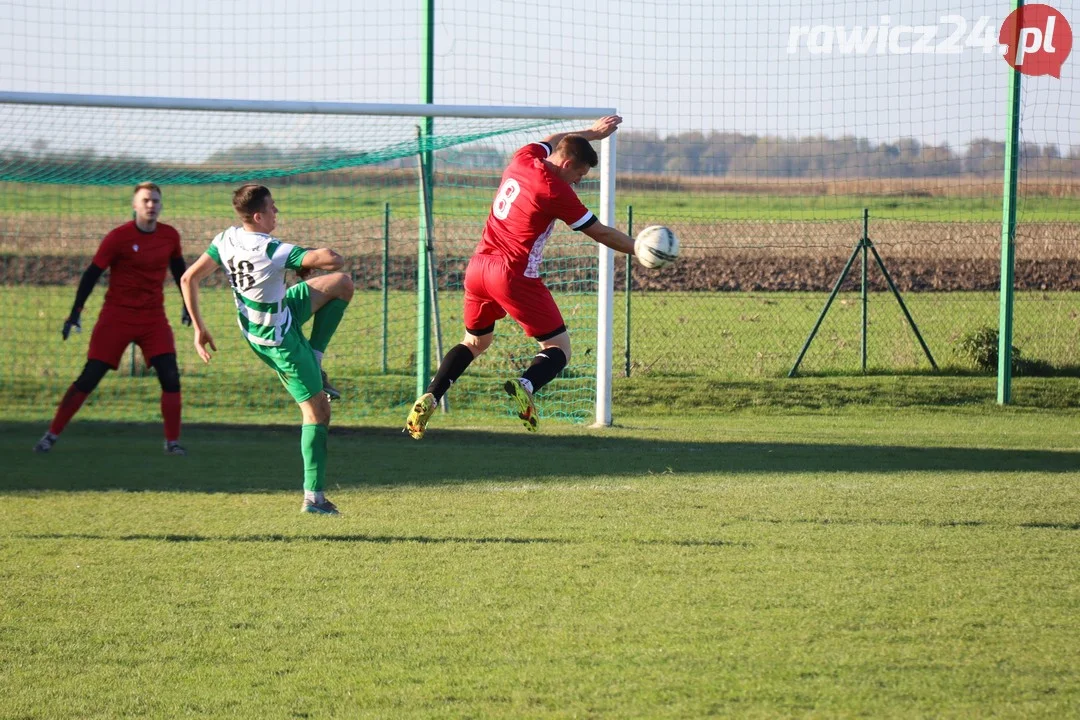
<point x="146" y="186"/>
<point x="249" y="199"/>
<point x="578" y="149"/>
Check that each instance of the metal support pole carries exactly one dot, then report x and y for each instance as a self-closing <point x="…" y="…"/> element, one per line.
<point x="433" y="280"/>
<point x="864" y="246"/>
<point x="1008" y="231"/>
<point x="825" y="310"/>
<point x="865" y="258"/>
<point x="423" y="294"/>
<point x="385" y="286"/>
<point x="629" y="282"/>
<point x="903" y="307"/>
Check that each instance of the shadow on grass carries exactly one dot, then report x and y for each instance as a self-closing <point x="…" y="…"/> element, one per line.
<point x="948" y="371"/>
<point x="378" y="539"/>
<point x="270" y="538"/>
<point x="107" y="456"/>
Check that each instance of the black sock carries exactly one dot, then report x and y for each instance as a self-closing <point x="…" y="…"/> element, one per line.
<point x="548" y="363"/>
<point x="450" y="369"/>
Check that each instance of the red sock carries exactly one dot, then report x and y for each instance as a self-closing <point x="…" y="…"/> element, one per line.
<point x="69" y="405"/>
<point x="170" y="412"/>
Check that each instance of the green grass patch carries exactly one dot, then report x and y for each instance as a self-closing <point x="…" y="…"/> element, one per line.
<point x="343" y="203"/>
<point x="717" y="207"/>
<point x="845" y="564"/>
<point x="688" y="351"/>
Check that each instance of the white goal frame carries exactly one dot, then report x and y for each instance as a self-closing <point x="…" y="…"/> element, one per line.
<point x="606" y="277"/>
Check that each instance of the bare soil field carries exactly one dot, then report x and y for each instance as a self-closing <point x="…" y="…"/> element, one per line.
<point x="917" y="187"/>
<point x="716" y="256"/>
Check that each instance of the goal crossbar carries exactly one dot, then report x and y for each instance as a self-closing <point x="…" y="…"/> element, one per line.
<point x="301" y="107"/>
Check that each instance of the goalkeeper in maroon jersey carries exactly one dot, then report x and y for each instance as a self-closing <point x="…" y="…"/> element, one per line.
<point x="136" y="255"/>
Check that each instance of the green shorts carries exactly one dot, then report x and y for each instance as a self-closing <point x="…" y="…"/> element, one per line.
<point x="294" y="360"/>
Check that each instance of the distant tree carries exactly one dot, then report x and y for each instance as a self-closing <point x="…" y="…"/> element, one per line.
<point x="256" y="154"/>
<point x="984" y="156"/>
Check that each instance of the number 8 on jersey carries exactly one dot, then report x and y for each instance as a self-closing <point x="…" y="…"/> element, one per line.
<point x="508" y="192"/>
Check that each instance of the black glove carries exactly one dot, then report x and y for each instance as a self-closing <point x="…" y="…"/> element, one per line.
<point x="71" y="322"/>
<point x="185" y="316"/>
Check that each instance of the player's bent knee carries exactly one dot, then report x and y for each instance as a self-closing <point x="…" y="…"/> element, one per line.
<point x="484" y="342"/>
<point x="479" y="339"/>
<point x="167" y="371"/>
<point x="316" y="410"/>
<point x="344" y="287"/>
<point x="91" y="375"/>
<point x="561" y="343"/>
<point x="478" y="344"/>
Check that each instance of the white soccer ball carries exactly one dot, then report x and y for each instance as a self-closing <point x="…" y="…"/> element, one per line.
<point x="656" y="246"/>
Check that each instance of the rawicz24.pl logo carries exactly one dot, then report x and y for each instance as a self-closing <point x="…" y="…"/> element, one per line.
<point x="1034" y="39"/>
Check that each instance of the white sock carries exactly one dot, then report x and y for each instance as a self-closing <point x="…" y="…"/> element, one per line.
<point x="315" y="496"/>
<point x="527" y="384"/>
<point x="318" y="357"/>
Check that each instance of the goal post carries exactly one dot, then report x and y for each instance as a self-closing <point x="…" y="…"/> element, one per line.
<point x="605" y="301"/>
<point x="343" y="169"/>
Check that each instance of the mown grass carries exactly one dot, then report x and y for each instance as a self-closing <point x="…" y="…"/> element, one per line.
<point x="854" y="564"/>
<point x="687" y="350"/>
<point x="301" y="202"/>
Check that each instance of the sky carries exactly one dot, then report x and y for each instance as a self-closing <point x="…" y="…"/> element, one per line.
<point x="668" y="67"/>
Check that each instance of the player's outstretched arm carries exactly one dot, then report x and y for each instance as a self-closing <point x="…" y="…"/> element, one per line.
<point x="86" y="286"/>
<point x="177" y="266"/>
<point x="189" y="287"/>
<point x="600" y="129"/>
<point x="615" y="239"/>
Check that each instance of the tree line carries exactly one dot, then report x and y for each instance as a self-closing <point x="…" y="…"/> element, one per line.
<point x="720" y="154"/>
<point x="713" y="154"/>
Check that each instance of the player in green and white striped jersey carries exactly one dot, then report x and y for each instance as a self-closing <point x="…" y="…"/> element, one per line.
<point x="270" y="316"/>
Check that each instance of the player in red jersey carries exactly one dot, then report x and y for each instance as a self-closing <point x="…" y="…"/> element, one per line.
<point x="137" y="255"/>
<point x="503" y="276"/>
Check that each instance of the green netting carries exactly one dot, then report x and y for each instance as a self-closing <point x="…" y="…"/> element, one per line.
<point x="350" y="183"/>
<point x="103" y="146"/>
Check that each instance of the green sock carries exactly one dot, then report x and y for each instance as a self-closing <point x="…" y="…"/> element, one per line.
<point x="313" y="448"/>
<point x="326" y="321"/>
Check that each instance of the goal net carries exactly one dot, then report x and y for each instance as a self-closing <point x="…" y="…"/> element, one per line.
<point x="344" y="176"/>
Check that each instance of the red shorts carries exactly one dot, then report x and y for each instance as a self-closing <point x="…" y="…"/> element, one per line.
<point x="493" y="291"/>
<point x="116" y="329"/>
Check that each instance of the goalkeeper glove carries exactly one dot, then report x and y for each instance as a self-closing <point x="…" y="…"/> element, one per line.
<point x="71" y="323"/>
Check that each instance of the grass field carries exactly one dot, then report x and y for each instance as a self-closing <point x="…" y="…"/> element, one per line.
<point x="909" y="563"/>
<point x="682" y="345"/>
<point x="739" y="544"/>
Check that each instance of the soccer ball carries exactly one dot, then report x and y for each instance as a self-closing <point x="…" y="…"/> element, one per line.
<point x="656" y="246"/>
